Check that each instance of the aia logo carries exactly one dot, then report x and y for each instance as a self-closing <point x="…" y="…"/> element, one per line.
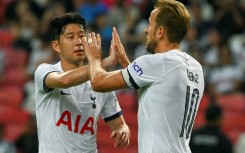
<point x="137" y="69"/>
<point x="78" y="126"/>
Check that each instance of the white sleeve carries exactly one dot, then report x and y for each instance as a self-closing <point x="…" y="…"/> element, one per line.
<point x="143" y="71"/>
<point x="40" y="75"/>
<point x="111" y="109"/>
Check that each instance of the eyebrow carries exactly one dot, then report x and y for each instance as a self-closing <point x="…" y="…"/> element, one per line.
<point x="72" y="33"/>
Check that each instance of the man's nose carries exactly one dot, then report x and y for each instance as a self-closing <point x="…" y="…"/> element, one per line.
<point x="79" y="40"/>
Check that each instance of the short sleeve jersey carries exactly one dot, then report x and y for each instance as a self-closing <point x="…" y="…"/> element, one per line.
<point x="67" y="118"/>
<point x="170" y="87"/>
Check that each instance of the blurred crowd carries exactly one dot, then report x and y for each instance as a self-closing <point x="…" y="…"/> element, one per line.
<point x="216" y="38"/>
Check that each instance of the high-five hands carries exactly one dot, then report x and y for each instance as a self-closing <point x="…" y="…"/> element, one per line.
<point x="119" y="49"/>
<point x="92" y="46"/>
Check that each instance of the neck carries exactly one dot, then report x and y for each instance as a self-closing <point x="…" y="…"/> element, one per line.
<point x="166" y="46"/>
<point x="69" y="66"/>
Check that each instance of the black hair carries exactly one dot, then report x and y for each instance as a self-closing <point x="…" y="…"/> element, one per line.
<point x="213" y="112"/>
<point x="58" y="23"/>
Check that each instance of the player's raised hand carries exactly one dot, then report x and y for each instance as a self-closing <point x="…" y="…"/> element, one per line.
<point x="122" y="137"/>
<point x="112" y="58"/>
<point x="92" y="46"/>
<point x="119" y="49"/>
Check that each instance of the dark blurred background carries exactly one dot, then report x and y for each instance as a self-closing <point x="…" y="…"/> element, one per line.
<point x="216" y="39"/>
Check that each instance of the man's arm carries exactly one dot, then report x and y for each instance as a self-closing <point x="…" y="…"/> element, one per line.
<point x="79" y="75"/>
<point x="67" y="79"/>
<point x="120" y="132"/>
<point x="101" y="80"/>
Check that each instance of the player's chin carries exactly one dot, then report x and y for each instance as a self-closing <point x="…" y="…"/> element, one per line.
<point x="79" y="59"/>
<point x="80" y="55"/>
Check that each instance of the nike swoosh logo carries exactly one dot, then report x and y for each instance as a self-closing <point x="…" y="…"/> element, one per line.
<point x="63" y="93"/>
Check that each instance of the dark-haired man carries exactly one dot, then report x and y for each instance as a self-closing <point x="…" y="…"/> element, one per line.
<point x="67" y="108"/>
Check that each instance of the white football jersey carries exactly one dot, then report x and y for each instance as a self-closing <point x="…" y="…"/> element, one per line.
<point x="67" y="118"/>
<point x="170" y="87"/>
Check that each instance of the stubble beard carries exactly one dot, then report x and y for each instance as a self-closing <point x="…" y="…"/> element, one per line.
<point x="151" y="46"/>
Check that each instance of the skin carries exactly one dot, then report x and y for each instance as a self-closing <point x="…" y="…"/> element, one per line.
<point x="103" y="81"/>
<point x="72" y="55"/>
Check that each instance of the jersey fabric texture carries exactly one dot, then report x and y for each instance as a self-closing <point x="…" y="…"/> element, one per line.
<point x="67" y="118"/>
<point x="170" y="87"/>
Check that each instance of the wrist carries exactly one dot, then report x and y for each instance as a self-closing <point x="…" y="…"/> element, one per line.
<point x="124" y="63"/>
<point x="107" y="63"/>
<point x="93" y="59"/>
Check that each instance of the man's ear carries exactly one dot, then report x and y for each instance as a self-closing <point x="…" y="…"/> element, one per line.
<point x="161" y="32"/>
<point x="55" y="46"/>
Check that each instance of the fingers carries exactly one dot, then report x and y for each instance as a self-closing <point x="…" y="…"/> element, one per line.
<point x="122" y="139"/>
<point x="113" y="135"/>
<point x="85" y="42"/>
<point x="112" y="58"/>
<point x="98" y="39"/>
<point x="113" y="47"/>
<point x="92" y="45"/>
<point x="92" y="39"/>
<point x="117" y="42"/>
<point x="113" y="40"/>
<point x="124" y="144"/>
<point x="116" y="36"/>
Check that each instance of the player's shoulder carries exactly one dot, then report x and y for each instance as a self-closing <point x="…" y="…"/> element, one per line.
<point x="149" y="58"/>
<point x="43" y="65"/>
<point x="45" y="68"/>
<point x="48" y="66"/>
<point x="171" y="58"/>
<point x="194" y="62"/>
<point x="185" y="58"/>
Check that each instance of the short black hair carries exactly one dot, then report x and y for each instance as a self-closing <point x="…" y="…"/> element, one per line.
<point x="58" y="23"/>
<point x="213" y="112"/>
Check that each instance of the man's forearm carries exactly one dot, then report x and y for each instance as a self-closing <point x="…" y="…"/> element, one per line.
<point x="95" y="70"/>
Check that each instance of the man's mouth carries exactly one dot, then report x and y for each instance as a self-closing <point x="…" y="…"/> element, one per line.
<point x="79" y="50"/>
